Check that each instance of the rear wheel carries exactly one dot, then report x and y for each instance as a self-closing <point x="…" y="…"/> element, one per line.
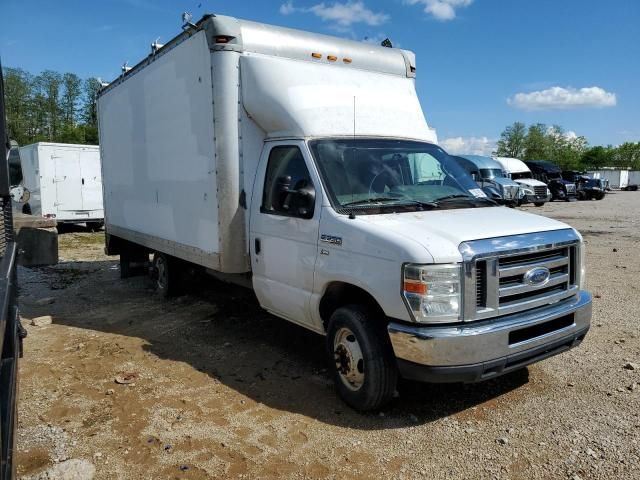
<point x="538" y="204"/>
<point x="363" y="364"/>
<point x="94" y="226"/>
<point x="165" y="274"/>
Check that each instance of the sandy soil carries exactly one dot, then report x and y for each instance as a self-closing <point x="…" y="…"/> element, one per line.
<point x="223" y="390"/>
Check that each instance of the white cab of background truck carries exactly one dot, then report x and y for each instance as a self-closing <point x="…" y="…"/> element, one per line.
<point x="302" y="166"/>
<point x="535" y="191"/>
<point x="64" y="182"/>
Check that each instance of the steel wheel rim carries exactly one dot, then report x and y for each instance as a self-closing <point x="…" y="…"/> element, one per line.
<point x="348" y="358"/>
<point x="161" y="268"/>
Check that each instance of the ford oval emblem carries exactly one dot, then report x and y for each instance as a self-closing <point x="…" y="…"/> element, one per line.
<point x="536" y="277"/>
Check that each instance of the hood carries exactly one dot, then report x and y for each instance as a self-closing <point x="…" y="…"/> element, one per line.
<point x="440" y="232"/>
<point x="505" y="182"/>
<point x="530" y="182"/>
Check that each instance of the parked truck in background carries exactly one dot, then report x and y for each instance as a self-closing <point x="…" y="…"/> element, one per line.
<point x="551" y="174"/>
<point x="64" y="183"/>
<point x="491" y="177"/>
<point x="11" y="332"/>
<point x="534" y="191"/>
<point x="301" y="166"/>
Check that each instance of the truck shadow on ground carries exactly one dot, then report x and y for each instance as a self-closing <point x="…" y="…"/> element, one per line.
<point x="220" y="330"/>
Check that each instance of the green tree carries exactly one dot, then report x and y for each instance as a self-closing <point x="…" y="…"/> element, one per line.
<point x="536" y="143"/>
<point x="512" y="141"/>
<point x="47" y="97"/>
<point x="596" y="157"/>
<point x="69" y="103"/>
<point x="18" y="86"/>
<point x="627" y="155"/>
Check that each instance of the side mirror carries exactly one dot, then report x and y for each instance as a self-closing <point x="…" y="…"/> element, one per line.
<point x="474" y="176"/>
<point x="306" y="201"/>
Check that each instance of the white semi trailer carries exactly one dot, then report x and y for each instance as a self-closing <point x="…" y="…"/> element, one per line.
<point x="302" y="166"/>
<point x="63" y="182"/>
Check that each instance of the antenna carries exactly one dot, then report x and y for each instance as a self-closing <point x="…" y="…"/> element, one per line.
<point x="186" y="20"/>
<point x="125" y="68"/>
<point x="155" y="46"/>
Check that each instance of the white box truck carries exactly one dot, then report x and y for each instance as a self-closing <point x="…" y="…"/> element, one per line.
<point x="64" y="182"/>
<point x="301" y="165"/>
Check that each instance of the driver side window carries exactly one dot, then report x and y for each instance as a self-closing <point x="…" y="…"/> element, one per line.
<point x="286" y="175"/>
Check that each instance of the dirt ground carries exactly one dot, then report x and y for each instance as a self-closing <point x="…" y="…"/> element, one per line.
<point x="223" y="390"/>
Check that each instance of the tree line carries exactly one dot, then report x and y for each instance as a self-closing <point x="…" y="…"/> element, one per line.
<point x="50" y="107"/>
<point x="568" y="151"/>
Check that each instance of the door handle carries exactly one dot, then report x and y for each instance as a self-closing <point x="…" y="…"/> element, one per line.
<point x="257" y="246"/>
<point x="83" y="181"/>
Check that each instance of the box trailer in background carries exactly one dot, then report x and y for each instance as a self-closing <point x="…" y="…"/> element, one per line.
<point x="64" y="182"/>
<point x="618" y="178"/>
<point x="301" y="166"/>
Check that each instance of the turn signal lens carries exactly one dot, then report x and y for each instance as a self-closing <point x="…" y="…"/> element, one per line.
<point x="415" y="287"/>
<point x="332" y="58"/>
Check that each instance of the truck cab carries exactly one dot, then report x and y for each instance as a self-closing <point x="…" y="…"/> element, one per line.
<point x="308" y="173"/>
<point x="551" y="174"/>
<point x="492" y="178"/>
<point x="534" y="191"/>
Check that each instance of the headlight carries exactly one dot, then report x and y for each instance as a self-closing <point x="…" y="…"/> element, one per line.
<point x="583" y="267"/>
<point x="527" y="191"/>
<point x="548" y="192"/>
<point x="432" y="292"/>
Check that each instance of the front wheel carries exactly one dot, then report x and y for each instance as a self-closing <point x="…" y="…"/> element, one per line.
<point x="538" y="204"/>
<point x="364" y="367"/>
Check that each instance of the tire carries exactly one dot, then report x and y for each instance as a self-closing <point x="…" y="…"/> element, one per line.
<point x="581" y="196"/>
<point x="538" y="204"/>
<point x="369" y="382"/>
<point x="165" y="274"/>
<point x="94" y="226"/>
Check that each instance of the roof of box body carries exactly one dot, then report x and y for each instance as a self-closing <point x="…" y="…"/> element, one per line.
<point x="260" y="38"/>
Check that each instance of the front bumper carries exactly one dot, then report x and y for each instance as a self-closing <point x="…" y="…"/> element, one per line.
<point x="485" y="349"/>
<point x="533" y="198"/>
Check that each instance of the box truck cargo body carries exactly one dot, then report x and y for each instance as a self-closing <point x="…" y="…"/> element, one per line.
<point x="302" y="166"/>
<point x="64" y="182"/>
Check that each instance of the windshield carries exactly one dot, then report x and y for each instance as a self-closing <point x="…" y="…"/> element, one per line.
<point x="376" y="172"/>
<point x="489" y="173"/>
<point x="520" y="175"/>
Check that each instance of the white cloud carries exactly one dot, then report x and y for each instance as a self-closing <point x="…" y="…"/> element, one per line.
<point x="563" y="98"/>
<point x="468" y="145"/>
<point x="287" y="8"/>
<point x="441" y="9"/>
<point x="342" y="14"/>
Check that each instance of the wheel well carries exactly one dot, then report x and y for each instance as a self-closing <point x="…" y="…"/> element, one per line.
<point x="339" y="294"/>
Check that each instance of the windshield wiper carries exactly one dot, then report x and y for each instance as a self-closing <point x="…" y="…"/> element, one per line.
<point x="372" y="200"/>
<point x="468" y="198"/>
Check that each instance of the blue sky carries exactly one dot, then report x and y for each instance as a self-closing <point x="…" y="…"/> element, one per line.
<point x="482" y="64"/>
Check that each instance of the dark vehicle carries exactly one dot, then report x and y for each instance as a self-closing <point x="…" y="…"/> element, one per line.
<point x="491" y="177"/>
<point x="11" y="332"/>
<point x="590" y="188"/>
<point x="551" y="174"/>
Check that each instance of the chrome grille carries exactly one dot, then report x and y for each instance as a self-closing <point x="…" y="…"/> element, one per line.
<point x="540" y="190"/>
<point x="495" y="282"/>
<point x="510" y="192"/>
<point x="571" y="188"/>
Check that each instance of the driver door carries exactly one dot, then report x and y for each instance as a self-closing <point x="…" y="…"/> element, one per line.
<point x="284" y="235"/>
